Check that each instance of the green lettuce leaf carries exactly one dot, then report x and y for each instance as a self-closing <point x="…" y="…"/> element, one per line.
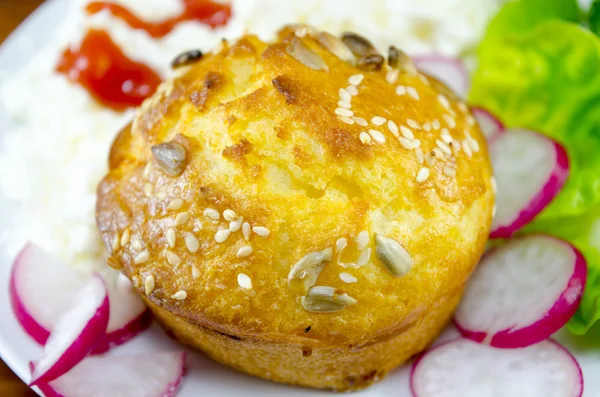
<point x="538" y="68"/>
<point x="594" y="17"/>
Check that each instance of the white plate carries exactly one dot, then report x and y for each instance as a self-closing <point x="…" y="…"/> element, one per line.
<point x="204" y="377"/>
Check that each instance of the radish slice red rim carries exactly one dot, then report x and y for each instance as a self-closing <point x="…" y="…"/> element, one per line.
<point x="530" y="170"/>
<point x="450" y="71"/>
<point x="42" y="289"/>
<point x="143" y="375"/>
<point x="489" y="124"/>
<point x="463" y="368"/>
<point x="522" y="292"/>
<point x="76" y="333"/>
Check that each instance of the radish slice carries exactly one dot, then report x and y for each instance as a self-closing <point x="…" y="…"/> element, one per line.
<point x="530" y="169"/>
<point x="522" y="292"/>
<point x="144" y="375"/>
<point x="489" y="124"/>
<point x="76" y="333"/>
<point x="42" y="288"/>
<point x="128" y="315"/>
<point x="450" y="71"/>
<point x="463" y="368"/>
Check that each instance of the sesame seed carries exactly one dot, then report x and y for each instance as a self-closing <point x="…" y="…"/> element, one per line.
<point x="377" y="136"/>
<point x="407" y="132"/>
<point x="412" y="91"/>
<point x="148" y="189"/>
<point x="345" y="95"/>
<point x="149" y="284"/>
<point x="365" y="138"/>
<point x="446" y="137"/>
<point x="147" y="170"/>
<point x="438" y="153"/>
<point x="261" y="231"/>
<point x="344" y="112"/>
<point x="393" y="128"/>
<point x="449" y="171"/>
<point x="378" y="120"/>
<point x="472" y="142"/>
<point x="406" y="143"/>
<point x="125" y="237"/>
<point x="173" y="258"/>
<point x="416" y="143"/>
<point x="175" y="204"/>
<point x="360" y="121"/>
<point x="400" y="90"/>
<point x="115" y="242"/>
<point x="427" y="127"/>
<point x="356" y="79"/>
<point x="161" y="195"/>
<point x="246" y="230"/>
<point x="364" y="257"/>
<point x="236" y="225"/>
<point x="352" y="90"/>
<point x="494" y="185"/>
<point x="424" y="79"/>
<point x="362" y="239"/>
<point x="230" y="215"/>
<point x="467" y="148"/>
<point x="455" y="146"/>
<point x="182" y="218"/>
<point x="301" y="32"/>
<point x="179" y="295"/>
<point x="192" y="243"/>
<point x="449" y="120"/>
<point x="436" y="124"/>
<point x="419" y="154"/>
<point x="443" y="147"/>
<point x="244" y="281"/>
<point x="346" y="120"/>
<point x="222" y="235"/>
<point x="211" y="213"/>
<point x="392" y="76"/>
<point x="195" y="272"/>
<point x="340" y="244"/>
<point x="344" y="104"/>
<point x="136" y="244"/>
<point x="444" y="101"/>
<point x="430" y="158"/>
<point x="470" y="120"/>
<point x="463" y="107"/>
<point x="413" y="124"/>
<point x="494" y="211"/>
<point x="171" y="237"/>
<point x="422" y="175"/>
<point x="141" y="257"/>
<point x="348" y="278"/>
<point x="244" y="251"/>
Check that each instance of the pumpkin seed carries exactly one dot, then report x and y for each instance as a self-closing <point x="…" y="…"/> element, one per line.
<point x="170" y="157"/>
<point x="322" y="299"/>
<point x="303" y="54"/>
<point x="336" y="47"/>
<point x="305" y="272"/>
<point x="370" y="63"/>
<point x="393" y="255"/>
<point x="358" y="44"/>
<point x="186" y="58"/>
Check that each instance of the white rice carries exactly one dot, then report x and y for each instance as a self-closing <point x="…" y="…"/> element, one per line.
<point x="55" y="152"/>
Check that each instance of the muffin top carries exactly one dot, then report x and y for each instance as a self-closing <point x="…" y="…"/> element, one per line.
<point x="307" y="191"/>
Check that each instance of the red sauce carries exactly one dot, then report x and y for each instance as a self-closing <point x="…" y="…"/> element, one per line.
<point x="203" y="11"/>
<point x="107" y="73"/>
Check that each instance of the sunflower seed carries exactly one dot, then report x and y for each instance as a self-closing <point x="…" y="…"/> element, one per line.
<point x="336" y="47"/>
<point x="322" y="299"/>
<point x="186" y="58"/>
<point x="170" y="157"/>
<point x="394" y="257"/>
<point x="305" y="272"/>
<point x="303" y="54"/>
<point x="370" y="62"/>
<point x="399" y="59"/>
<point x="358" y="44"/>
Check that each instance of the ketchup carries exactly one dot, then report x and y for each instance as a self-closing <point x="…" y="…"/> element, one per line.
<point x="203" y="11"/>
<point x="107" y="73"/>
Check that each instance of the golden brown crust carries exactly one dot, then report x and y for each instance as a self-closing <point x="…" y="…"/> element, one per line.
<point x="263" y="139"/>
